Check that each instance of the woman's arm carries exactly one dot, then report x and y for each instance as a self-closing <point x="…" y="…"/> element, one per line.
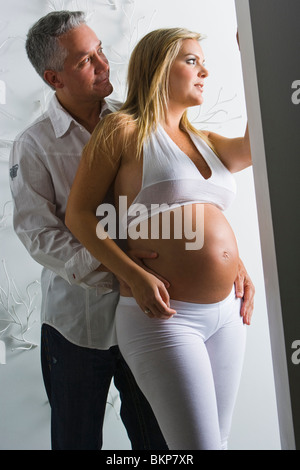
<point x="89" y="188"/>
<point x="234" y="153"/>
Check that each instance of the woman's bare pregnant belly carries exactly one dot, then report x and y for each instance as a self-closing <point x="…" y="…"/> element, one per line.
<point x="196" y="273"/>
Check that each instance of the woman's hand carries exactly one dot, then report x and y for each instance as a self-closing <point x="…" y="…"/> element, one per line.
<point x="140" y="255"/>
<point x="245" y="290"/>
<point x="151" y="295"/>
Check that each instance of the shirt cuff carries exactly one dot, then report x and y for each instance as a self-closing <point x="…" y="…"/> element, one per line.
<point x="80" y="266"/>
<point x="102" y="281"/>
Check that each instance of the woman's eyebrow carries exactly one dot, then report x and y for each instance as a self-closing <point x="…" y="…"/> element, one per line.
<point x="196" y="55"/>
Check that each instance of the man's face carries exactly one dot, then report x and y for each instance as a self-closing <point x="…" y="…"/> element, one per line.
<point x="85" y="75"/>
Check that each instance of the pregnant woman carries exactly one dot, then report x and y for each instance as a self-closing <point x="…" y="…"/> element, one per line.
<point x="183" y="338"/>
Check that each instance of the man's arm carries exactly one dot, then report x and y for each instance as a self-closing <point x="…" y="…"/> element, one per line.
<point x="36" y="223"/>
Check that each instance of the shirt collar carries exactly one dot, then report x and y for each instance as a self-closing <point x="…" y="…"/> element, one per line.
<point x="105" y="109"/>
<point x="61" y="119"/>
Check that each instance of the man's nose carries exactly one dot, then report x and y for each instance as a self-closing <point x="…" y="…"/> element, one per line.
<point x="101" y="64"/>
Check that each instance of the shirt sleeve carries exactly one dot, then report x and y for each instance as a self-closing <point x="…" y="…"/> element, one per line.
<point x="40" y="229"/>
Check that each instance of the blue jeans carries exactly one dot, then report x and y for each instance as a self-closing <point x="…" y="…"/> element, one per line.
<point x="77" y="382"/>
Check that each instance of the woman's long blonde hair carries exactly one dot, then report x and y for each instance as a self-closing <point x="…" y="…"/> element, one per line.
<point x="147" y="91"/>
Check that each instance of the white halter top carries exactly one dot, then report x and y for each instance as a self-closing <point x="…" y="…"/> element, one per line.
<point x="170" y="178"/>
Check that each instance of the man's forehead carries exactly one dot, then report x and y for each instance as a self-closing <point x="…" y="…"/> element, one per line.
<point x="80" y="41"/>
<point x="78" y="53"/>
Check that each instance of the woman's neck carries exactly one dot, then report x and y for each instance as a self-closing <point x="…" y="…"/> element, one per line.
<point x="173" y="118"/>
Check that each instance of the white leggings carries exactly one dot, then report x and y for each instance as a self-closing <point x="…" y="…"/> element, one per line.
<point x="188" y="367"/>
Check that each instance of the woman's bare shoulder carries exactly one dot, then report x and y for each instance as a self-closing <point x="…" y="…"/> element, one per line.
<point x="127" y="123"/>
<point x="112" y="135"/>
<point x="127" y="135"/>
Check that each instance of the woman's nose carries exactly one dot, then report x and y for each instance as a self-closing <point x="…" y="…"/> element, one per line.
<point x="203" y="72"/>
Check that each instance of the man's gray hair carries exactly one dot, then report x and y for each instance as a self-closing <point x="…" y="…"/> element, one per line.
<point x="42" y="45"/>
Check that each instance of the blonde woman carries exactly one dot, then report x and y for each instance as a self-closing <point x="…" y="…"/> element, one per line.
<point x="183" y="338"/>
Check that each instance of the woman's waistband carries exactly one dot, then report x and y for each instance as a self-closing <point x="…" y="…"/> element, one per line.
<point x="178" y="304"/>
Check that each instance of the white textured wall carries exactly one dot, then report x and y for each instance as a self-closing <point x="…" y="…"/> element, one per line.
<point x="24" y="412"/>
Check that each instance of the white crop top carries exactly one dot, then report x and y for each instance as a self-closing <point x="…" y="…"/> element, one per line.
<point x="170" y="178"/>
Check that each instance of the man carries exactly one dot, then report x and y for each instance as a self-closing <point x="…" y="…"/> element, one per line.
<point x="78" y="343"/>
<point x="79" y="352"/>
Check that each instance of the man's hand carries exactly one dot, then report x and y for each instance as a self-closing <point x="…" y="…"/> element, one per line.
<point x="245" y="290"/>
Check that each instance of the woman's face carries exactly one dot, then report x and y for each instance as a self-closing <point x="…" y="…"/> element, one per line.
<point x="187" y="76"/>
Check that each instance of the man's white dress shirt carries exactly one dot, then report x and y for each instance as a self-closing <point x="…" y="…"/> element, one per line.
<point x="76" y="300"/>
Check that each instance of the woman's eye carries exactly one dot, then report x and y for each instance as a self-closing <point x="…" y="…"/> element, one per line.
<point x="191" y="61"/>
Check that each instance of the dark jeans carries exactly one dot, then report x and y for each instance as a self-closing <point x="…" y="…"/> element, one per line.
<point x="77" y="382"/>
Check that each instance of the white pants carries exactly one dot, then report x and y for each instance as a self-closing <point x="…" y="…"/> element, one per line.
<point x="188" y="367"/>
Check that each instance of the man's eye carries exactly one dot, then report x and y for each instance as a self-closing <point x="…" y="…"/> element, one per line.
<point x="84" y="61"/>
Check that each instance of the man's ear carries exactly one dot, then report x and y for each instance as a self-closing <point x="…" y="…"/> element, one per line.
<point x="53" y="79"/>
